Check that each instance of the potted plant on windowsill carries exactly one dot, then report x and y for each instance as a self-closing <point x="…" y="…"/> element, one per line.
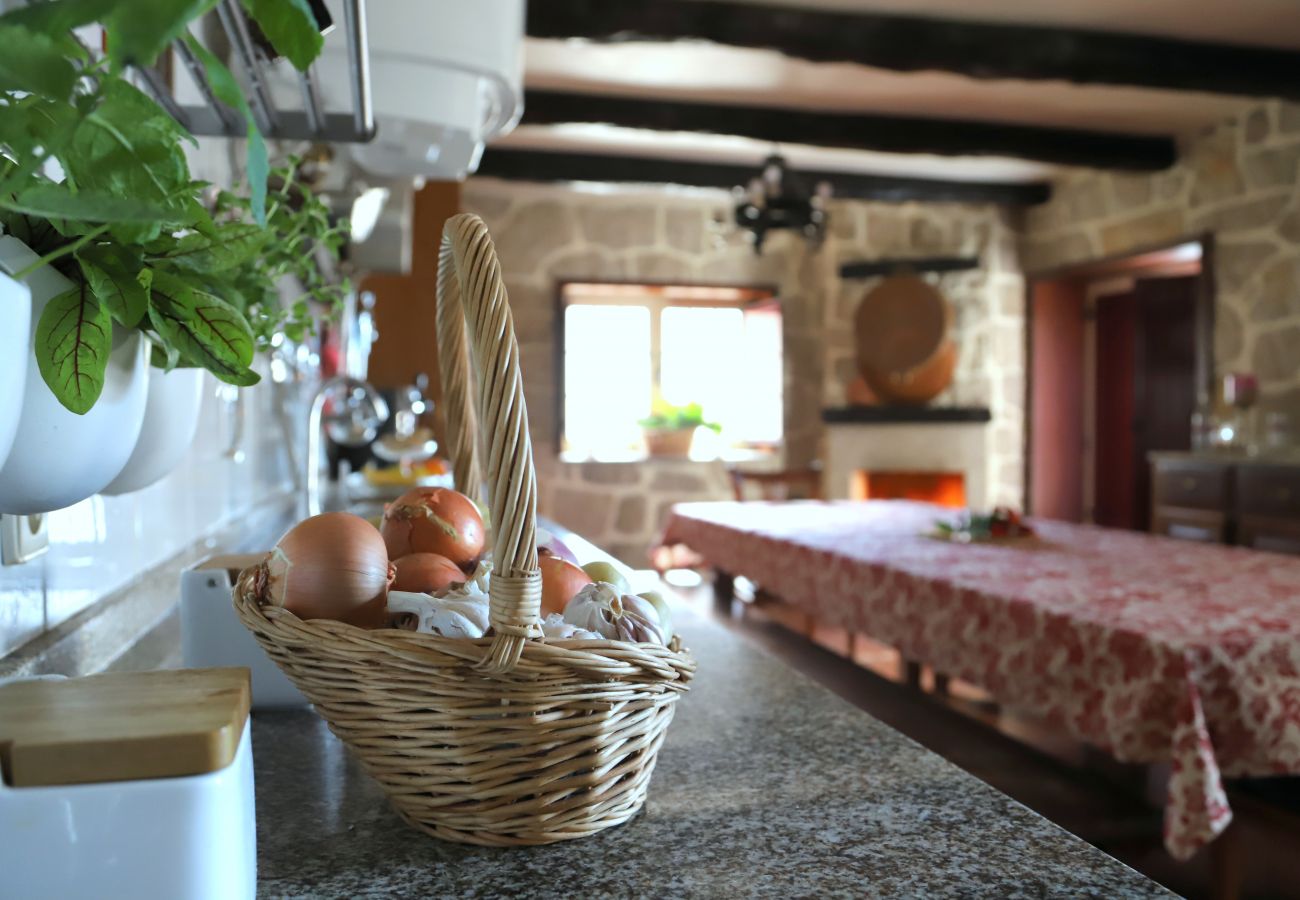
<point x="104" y="226"/>
<point x="670" y="430"/>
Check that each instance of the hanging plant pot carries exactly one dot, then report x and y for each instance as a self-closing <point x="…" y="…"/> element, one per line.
<point x="171" y="419"/>
<point x="15" y="313"/>
<point x="60" y="458"/>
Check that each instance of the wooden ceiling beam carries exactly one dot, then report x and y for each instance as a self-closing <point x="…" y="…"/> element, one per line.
<point x="888" y="134"/>
<point x="544" y="165"/>
<point x="914" y="44"/>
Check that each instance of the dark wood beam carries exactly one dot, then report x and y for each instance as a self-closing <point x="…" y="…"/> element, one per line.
<point x="539" y="165"/>
<point x="939" y="264"/>
<point x="913" y="44"/>
<point x="890" y="134"/>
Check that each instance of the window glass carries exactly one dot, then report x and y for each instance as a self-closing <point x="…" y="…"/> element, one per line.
<point x="607" y="380"/>
<point x="620" y="354"/>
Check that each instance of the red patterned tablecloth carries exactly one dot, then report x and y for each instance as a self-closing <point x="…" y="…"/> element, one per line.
<point x="1154" y="649"/>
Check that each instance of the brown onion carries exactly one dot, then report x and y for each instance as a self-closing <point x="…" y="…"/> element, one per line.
<point x="425" y="573"/>
<point x="434" y="520"/>
<point x="332" y="566"/>
<point x="561" y="581"/>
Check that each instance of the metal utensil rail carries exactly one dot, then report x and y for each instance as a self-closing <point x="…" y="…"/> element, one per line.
<point x="312" y="122"/>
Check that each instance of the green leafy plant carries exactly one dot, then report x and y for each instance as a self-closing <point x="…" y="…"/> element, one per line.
<point x="667" y="417"/>
<point x="126" y="222"/>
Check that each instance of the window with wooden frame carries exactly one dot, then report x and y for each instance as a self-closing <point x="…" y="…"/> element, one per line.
<point x="628" y="350"/>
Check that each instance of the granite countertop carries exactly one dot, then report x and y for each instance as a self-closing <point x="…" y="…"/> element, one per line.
<point x="768" y="786"/>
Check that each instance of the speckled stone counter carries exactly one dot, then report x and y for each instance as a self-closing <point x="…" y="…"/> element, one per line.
<point x="768" y="786"/>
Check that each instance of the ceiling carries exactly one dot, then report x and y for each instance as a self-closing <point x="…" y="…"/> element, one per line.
<point x="702" y="72"/>
<point x="1263" y="23"/>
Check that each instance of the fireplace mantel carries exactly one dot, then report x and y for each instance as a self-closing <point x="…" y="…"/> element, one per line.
<point x="888" y="415"/>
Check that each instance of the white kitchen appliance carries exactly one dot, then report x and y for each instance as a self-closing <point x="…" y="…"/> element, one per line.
<point x="446" y="75"/>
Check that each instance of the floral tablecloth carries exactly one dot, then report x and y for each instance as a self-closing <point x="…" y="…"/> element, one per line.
<point x="1154" y="649"/>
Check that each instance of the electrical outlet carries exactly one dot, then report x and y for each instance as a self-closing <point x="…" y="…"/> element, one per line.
<point x="22" y="538"/>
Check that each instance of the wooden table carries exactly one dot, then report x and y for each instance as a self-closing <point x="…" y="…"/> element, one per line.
<point x="1153" y="649"/>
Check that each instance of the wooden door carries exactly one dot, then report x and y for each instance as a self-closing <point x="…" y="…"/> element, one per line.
<point x="1114" y="447"/>
<point x="1146" y="392"/>
<point x="1166" y="375"/>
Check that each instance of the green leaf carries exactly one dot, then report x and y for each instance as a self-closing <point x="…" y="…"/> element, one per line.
<point x="73" y="340"/>
<point x="33" y="62"/>
<point x="33" y="129"/>
<point x="58" y="201"/>
<point x="35" y="232"/>
<point x="54" y="16"/>
<point x="138" y="32"/>
<point x="227" y="90"/>
<point x="199" y="217"/>
<point x="290" y="27"/>
<point x="114" y="276"/>
<point x="165" y="358"/>
<point x="227" y="290"/>
<point x="128" y="147"/>
<point x="232" y="244"/>
<point x="206" y="330"/>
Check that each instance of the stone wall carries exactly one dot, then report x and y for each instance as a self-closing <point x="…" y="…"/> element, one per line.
<point x="1238" y="182"/>
<point x="548" y="234"/>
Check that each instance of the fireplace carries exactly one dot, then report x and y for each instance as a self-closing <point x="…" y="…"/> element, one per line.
<point x="932" y="453"/>
<point x="943" y="488"/>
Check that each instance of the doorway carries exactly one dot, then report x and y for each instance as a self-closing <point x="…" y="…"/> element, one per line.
<point x="1119" y="356"/>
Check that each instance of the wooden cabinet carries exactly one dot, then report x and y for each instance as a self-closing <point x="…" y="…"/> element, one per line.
<point x="1254" y="504"/>
<point x="1193" y="484"/>
<point x="1268" y="508"/>
<point x="1190" y="524"/>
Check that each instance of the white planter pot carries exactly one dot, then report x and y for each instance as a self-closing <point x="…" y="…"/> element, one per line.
<point x="59" y="458"/>
<point x="15" y="325"/>
<point x="171" y="419"/>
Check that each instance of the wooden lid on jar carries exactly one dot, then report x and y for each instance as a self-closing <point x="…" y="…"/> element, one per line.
<point x="122" y="726"/>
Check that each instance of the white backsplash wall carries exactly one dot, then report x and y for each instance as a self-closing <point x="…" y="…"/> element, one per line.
<point x="103" y="543"/>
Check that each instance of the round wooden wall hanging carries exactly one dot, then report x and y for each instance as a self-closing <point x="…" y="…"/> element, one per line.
<point x="904" y="353"/>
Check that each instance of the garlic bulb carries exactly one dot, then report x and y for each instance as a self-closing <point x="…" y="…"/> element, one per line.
<point x="554" y="626"/>
<point x="453" y="617"/>
<point x="478" y="585"/>
<point x="599" y="607"/>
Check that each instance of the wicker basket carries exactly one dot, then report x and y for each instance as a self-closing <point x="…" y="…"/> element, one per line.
<point x="507" y="740"/>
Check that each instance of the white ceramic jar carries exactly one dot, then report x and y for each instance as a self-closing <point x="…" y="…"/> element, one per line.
<point x="59" y="458"/>
<point x="171" y="419"/>
<point x="15" y="325"/>
<point x="192" y="837"/>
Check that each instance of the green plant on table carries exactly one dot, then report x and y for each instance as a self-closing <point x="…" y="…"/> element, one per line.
<point x="665" y="416"/>
<point x="94" y="179"/>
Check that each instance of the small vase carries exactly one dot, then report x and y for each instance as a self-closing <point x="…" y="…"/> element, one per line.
<point x="59" y="458"/>
<point x="674" y="442"/>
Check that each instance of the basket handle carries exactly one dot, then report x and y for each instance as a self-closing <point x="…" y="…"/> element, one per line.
<point x="453" y="364"/>
<point x="471" y="293"/>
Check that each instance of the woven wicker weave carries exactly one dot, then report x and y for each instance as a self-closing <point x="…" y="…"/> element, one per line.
<point x="508" y="740"/>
